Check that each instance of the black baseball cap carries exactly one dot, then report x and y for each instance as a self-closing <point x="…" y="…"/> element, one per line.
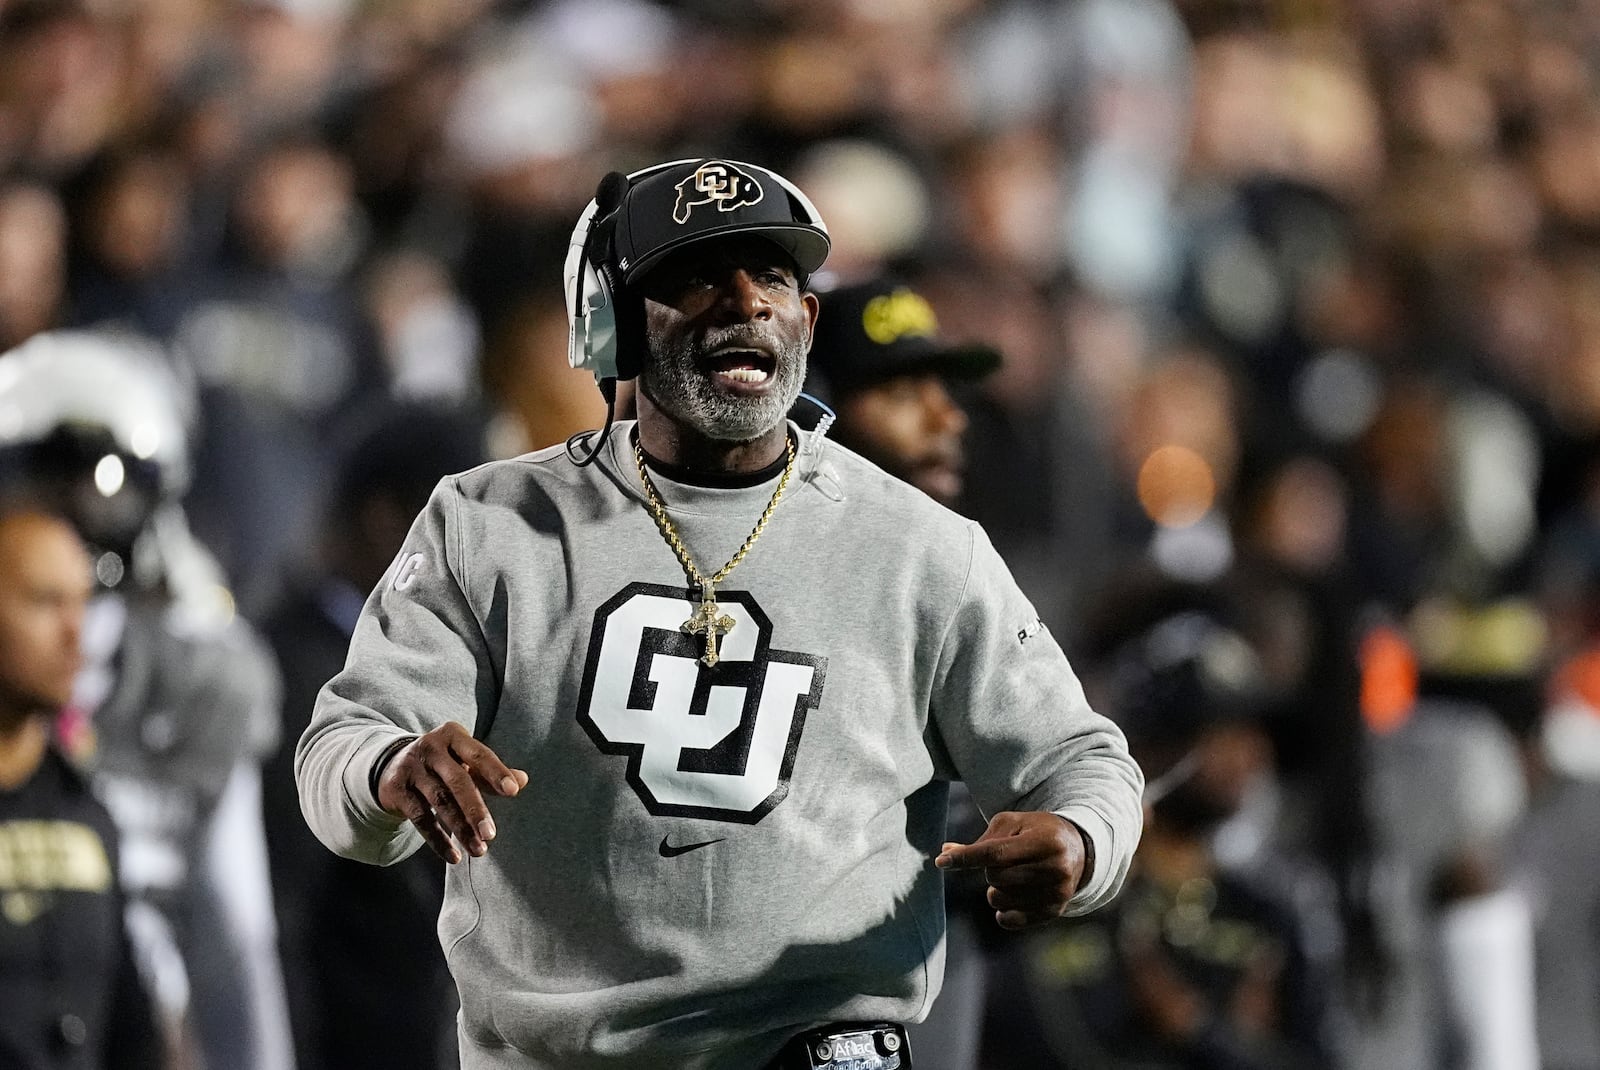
<point x="1184" y="675"/>
<point x="693" y="200"/>
<point x="883" y="329"/>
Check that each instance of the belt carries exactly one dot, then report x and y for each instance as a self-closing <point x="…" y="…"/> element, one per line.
<point x="847" y="1046"/>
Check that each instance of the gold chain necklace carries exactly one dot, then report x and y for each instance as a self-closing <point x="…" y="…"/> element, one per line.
<point x="708" y="620"/>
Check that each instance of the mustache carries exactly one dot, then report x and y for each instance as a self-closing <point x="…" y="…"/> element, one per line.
<point x="946" y="456"/>
<point x="742" y="336"/>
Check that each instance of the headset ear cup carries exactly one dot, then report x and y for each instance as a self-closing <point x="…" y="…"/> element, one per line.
<point x="589" y="334"/>
<point x="592" y="344"/>
<point x="592" y="286"/>
<point x="628" y="307"/>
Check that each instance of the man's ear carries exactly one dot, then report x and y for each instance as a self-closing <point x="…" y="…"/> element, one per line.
<point x="813" y="310"/>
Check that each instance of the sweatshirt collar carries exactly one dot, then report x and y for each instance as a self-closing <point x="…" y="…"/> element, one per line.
<point x="689" y="498"/>
<point x="728" y="480"/>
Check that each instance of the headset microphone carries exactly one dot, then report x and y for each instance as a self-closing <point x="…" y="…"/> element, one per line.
<point x="608" y="195"/>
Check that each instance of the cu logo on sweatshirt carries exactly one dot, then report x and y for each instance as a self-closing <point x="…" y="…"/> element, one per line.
<point x="714" y="743"/>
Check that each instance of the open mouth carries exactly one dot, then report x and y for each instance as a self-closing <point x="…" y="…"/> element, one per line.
<point x="750" y="367"/>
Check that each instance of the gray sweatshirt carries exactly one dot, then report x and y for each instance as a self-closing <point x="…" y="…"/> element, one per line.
<point x="705" y="861"/>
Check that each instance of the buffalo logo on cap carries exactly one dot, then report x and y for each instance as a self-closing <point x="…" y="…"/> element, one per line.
<point x="718" y="183"/>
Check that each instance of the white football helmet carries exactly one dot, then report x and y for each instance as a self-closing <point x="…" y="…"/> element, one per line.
<point x="97" y="424"/>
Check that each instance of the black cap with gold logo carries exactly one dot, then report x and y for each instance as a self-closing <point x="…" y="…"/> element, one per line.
<point x="695" y="200"/>
<point x="883" y="329"/>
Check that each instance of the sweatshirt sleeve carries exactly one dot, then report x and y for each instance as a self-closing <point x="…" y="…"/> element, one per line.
<point x="418" y="658"/>
<point x="1012" y="716"/>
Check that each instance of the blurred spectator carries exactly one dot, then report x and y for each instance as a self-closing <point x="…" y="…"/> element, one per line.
<point x="33" y="252"/>
<point x="1554" y="859"/>
<point x="1177" y="450"/>
<point x="61" y="85"/>
<point x="427" y="338"/>
<point x="1196" y="964"/>
<point x="875" y="202"/>
<point x="879" y="362"/>
<point x="1008" y="200"/>
<point x="1449" y="502"/>
<point x="281" y="348"/>
<point x="1304" y="618"/>
<point x="1446" y="794"/>
<point x="133" y="264"/>
<point x="289" y="57"/>
<point x="350" y="932"/>
<point x="1054" y="528"/>
<point x="176" y="704"/>
<point x="539" y="399"/>
<point x="71" y="991"/>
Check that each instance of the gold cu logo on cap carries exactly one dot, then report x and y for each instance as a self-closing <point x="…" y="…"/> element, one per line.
<point x="892" y="316"/>
<point x="718" y="183"/>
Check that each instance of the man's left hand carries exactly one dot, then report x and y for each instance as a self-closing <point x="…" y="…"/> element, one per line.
<point x="1032" y="860"/>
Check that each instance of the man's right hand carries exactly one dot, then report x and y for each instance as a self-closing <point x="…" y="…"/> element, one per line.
<point x="434" y="782"/>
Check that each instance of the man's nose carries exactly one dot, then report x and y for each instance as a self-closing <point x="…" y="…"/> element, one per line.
<point x="744" y="298"/>
<point x="72" y="628"/>
<point x="943" y="414"/>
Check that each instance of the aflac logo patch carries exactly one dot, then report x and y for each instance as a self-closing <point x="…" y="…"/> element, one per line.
<point x="716" y="183"/>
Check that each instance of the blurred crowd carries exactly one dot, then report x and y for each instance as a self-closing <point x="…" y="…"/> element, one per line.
<point x="1293" y="443"/>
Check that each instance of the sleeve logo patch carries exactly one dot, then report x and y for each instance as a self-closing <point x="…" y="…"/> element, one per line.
<point x="1030" y="630"/>
<point x="406" y="574"/>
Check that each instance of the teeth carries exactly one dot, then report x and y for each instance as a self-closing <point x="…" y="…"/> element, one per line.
<point x="746" y="375"/>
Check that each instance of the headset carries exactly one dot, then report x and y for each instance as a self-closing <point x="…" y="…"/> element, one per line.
<point x="594" y="286"/>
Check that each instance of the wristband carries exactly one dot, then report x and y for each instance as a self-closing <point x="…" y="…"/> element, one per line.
<point x="1088" y="855"/>
<point x="383" y="761"/>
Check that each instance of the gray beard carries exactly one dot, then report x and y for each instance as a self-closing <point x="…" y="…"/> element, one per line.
<point x="675" y="379"/>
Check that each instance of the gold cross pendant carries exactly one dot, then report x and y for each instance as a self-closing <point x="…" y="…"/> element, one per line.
<point x="708" y="621"/>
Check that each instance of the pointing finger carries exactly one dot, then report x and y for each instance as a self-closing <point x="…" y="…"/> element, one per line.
<point x="988" y="849"/>
<point x="508" y="785"/>
<point x="486" y="766"/>
<point x="989" y="854"/>
<point x="1021" y="919"/>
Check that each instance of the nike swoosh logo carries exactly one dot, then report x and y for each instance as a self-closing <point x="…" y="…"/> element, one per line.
<point x="669" y="851"/>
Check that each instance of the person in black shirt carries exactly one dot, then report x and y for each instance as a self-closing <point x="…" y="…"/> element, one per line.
<point x="71" y="994"/>
<point x="1199" y="965"/>
<point x="347" y="930"/>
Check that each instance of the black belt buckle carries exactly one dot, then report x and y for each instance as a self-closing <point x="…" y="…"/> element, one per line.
<point x="850" y="1046"/>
